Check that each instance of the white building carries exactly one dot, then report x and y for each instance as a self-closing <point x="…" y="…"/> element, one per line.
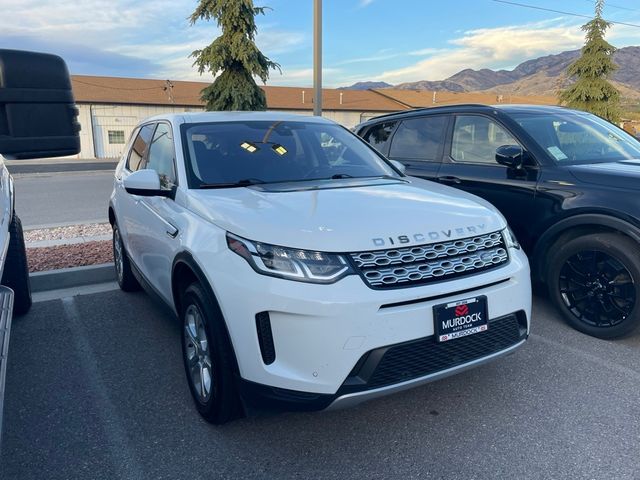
<point x="110" y="107"/>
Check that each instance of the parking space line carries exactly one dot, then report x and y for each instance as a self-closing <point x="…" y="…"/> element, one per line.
<point x="124" y="461"/>
<point x="588" y="356"/>
<point x="74" y="291"/>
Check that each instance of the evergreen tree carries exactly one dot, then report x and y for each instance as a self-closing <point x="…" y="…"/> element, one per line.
<point x="592" y="91"/>
<point x="234" y="54"/>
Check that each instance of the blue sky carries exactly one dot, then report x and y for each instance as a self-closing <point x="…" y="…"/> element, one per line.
<point x="394" y="41"/>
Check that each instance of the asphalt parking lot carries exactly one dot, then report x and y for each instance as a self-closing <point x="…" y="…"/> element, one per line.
<point x="95" y="389"/>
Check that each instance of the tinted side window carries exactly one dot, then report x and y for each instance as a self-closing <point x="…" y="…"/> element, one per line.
<point x="139" y="148"/>
<point x="161" y="155"/>
<point x="476" y="138"/>
<point x="419" y="138"/>
<point x="378" y="136"/>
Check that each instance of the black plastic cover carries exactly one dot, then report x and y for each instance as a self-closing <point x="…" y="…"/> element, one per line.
<point x="38" y="116"/>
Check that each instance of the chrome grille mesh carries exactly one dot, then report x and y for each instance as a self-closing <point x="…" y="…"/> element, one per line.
<point x="433" y="262"/>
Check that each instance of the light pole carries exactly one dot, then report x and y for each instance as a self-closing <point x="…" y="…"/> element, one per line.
<point x="317" y="57"/>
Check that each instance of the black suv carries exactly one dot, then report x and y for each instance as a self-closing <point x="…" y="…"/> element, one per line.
<point x="568" y="183"/>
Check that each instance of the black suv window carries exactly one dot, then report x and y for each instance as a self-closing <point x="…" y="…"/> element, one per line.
<point x="161" y="155"/>
<point x="419" y="138"/>
<point x="139" y="148"/>
<point x="378" y="136"/>
<point x="476" y="138"/>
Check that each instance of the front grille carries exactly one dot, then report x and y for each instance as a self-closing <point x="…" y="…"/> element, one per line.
<point x="418" y="265"/>
<point x="419" y="358"/>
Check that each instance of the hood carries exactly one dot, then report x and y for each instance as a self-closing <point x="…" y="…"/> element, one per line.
<point x="624" y="174"/>
<point x="369" y="216"/>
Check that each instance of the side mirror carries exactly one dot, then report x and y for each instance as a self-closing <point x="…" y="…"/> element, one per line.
<point x="38" y="116"/>
<point x="399" y="165"/>
<point x="511" y="156"/>
<point x="145" y="183"/>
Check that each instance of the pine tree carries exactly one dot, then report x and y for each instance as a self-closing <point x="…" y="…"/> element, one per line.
<point x="234" y="54"/>
<point x="592" y="91"/>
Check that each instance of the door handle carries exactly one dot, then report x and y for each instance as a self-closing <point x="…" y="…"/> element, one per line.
<point x="450" y="179"/>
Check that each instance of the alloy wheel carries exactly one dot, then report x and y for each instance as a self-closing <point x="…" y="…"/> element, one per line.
<point x="597" y="288"/>
<point x="197" y="353"/>
<point x="118" y="254"/>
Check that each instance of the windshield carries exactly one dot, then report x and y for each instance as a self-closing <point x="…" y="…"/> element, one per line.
<point x="232" y="153"/>
<point x="574" y="138"/>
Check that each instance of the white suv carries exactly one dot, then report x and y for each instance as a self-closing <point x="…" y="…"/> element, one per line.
<point x="308" y="272"/>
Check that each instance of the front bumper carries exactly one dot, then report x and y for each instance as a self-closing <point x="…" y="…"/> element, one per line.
<point x="321" y="332"/>
<point x="6" y="309"/>
<point x="391" y="369"/>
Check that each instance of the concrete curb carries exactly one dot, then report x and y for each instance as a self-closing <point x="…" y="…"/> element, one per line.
<point x="67" y="241"/>
<point x="47" y="226"/>
<point x="72" y="277"/>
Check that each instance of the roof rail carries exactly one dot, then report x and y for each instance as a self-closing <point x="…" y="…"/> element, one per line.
<point x="436" y="107"/>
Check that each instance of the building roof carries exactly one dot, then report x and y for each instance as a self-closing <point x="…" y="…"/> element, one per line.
<point x="244" y="116"/>
<point x="118" y="90"/>
<point x="428" y="98"/>
<point x="142" y="91"/>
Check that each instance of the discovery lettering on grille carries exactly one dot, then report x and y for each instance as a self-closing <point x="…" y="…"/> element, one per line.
<point x="422" y="264"/>
<point x="434" y="235"/>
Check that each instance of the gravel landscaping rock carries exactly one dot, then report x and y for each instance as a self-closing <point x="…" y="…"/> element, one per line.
<point x="70" y="231"/>
<point x="65" y="256"/>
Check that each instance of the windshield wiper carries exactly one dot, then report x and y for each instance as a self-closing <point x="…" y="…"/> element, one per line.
<point x="247" y="182"/>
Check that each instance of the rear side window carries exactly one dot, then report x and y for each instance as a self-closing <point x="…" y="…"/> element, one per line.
<point x="139" y="148"/>
<point x="419" y="138"/>
<point x="378" y="136"/>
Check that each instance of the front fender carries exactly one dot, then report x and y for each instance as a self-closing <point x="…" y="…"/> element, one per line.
<point x="579" y="220"/>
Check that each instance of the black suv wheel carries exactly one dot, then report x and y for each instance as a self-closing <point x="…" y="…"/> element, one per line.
<point x="595" y="282"/>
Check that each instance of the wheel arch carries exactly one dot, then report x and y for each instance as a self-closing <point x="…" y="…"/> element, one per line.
<point x="577" y="225"/>
<point x="184" y="271"/>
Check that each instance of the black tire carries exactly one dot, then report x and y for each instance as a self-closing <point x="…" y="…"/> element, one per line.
<point x="594" y="280"/>
<point x="124" y="274"/>
<point x="222" y="404"/>
<point x="16" y="269"/>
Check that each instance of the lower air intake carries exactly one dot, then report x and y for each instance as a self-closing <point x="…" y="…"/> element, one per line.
<point x="265" y="338"/>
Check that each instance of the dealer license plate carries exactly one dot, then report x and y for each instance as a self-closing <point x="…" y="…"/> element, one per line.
<point x="460" y="319"/>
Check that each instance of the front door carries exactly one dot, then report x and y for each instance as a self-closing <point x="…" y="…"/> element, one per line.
<point x="156" y="237"/>
<point x="470" y="164"/>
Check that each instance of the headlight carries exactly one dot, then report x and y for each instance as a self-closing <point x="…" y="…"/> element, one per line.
<point x="290" y="263"/>
<point x="510" y="239"/>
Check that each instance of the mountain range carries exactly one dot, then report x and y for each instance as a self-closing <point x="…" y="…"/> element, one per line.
<point x="540" y="76"/>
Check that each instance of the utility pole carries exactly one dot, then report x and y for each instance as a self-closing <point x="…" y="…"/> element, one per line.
<point x="317" y="57"/>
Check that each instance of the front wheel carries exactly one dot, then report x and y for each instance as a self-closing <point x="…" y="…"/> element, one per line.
<point x="124" y="273"/>
<point x="208" y="357"/>
<point x="594" y="280"/>
<point x="16" y="270"/>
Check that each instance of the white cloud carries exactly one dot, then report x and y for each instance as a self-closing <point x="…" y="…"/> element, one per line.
<point x="372" y="58"/>
<point x="302" y="76"/>
<point x="157" y="34"/>
<point x="365" y="3"/>
<point x="502" y="47"/>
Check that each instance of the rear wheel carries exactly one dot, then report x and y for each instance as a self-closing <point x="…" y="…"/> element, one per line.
<point x="208" y="357"/>
<point x="594" y="280"/>
<point x="16" y="270"/>
<point x="124" y="274"/>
